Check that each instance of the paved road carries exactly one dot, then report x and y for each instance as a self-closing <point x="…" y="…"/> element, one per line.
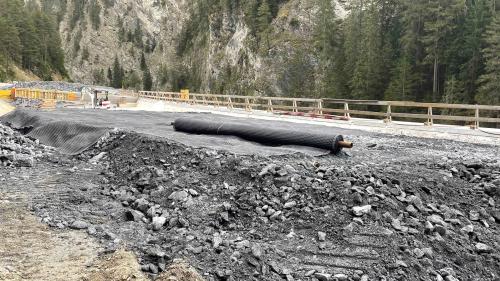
<point x="159" y="124"/>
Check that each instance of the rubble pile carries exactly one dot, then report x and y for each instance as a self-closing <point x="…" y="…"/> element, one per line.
<point x="390" y="212"/>
<point x="19" y="151"/>
<point x="51" y="85"/>
<point x="293" y="217"/>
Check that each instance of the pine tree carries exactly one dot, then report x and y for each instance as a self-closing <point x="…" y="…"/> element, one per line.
<point x="297" y="79"/>
<point x="250" y="11"/>
<point x="464" y="58"/>
<point x="11" y="45"/>
<point x="402" y="83"/>
<point x="95" y="14"/>
<point x="98" y="77"/>
<point x="117" y="74"/>
<point x="439" y="23"/>
<point x="143" y="62"/>
<point x="454" y="91"/>
<point x="78" y="12"/>
<point x="264" y="17"/>
<point x="133" y="80"/>
<point x="138" y="34"/>
<point x="110" y="77"/>
<point x="147" y="80"/>
<point x="412" y="47"/>
<point x="353" y="26"/>
<point x="367" y="78"/>
<point x="489" y="91"/>
<point x="326" y="42"/>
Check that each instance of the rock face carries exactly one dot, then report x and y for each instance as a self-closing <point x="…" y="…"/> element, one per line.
<point x="228" y="45"/>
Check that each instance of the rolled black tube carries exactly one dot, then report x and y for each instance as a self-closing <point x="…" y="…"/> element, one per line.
<point x="260" y="134"/>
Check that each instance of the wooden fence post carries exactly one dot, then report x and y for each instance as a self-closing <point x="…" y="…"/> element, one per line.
<point x="476" y="125"/>
<point x="389" y="114"/>
<point x="346" y="111"/>
<point x="430" y="119"/>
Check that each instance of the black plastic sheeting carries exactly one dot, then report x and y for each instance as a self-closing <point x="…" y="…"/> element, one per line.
<point x="67" y="137"/>
<point x="260" y="134"/>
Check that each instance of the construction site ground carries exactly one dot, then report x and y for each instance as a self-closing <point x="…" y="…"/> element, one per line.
<point x="148" y="202"/>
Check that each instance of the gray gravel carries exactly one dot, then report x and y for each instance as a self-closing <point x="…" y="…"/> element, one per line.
<point x="403" y="209"/>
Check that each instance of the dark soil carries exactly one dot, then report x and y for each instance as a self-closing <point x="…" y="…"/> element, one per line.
<point x="291" y="217"/>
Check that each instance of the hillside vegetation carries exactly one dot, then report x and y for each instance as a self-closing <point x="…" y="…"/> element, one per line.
<point x="419" y="50"/>
<point x="29" y="39"/>
<point x="440" y="51"/>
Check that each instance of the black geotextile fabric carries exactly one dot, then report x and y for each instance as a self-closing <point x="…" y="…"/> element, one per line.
<point x="260" y="134"/>
<point x="68" y="137"/>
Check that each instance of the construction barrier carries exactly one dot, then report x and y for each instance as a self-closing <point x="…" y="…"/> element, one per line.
<point x="7" y="94"/>
<point x="185" y="95"/>
<point x="38" y="94"/>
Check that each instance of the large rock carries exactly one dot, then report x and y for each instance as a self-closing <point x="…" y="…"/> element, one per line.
<point x="158" y="223"/>
<point x="79" y="225"/>
<point x="178" y="195"/>
<point x="483" y="248"/>
<point x="360" y="211"/>
<point x="134" y="215"/>
<point x="24" y="160"/>
<point x="492" y="190"/>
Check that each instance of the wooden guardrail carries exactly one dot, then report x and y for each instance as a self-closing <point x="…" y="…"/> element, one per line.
<point x="325" y="108"/>
<point x="40" y="94"/>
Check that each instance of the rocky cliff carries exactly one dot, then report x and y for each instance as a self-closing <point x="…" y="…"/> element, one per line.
<point x="203" y="45"/>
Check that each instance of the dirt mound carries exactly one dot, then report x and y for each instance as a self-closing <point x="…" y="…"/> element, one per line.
<point x="119" y="266"/>
<point x="180" y="271"/>
<point x="376" y="215"/>
<point x="402" y="209"/>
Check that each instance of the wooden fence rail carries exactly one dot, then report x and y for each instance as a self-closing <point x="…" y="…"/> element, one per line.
<point x="325" y="107"/>
<point x="40" y="94"/>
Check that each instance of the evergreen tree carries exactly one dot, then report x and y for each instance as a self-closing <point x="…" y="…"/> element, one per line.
<point x="463" y="55"/>
<point x="95" y="14"/>
<point x="327" y="42"/>
<point x="143" y="62"/>
<point x="367" y="78"/>
<point x="133" y="81"/>
<point x="98" y="77"/>
<point x="11" y="44"/>
<point x="122" y="33"/>
<point x="138" y="34"/>
<point x="297" y="79"/>
<point x="441" y="15"/>
<point x="263" y="16"/>
<point x="489" y="91"/>
<point x="402" y="83"/>
<point x="117" y="74"/>
<point x="454" y="91"/>
<point x="78" y="12"/>
<point x="412" y="47"/>
<point x="250" y="10"/>
<point x="147" y="80"/>
<point x="110" y="77"/>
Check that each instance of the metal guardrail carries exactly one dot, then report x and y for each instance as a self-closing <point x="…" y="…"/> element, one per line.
<point x="322" y="107"/>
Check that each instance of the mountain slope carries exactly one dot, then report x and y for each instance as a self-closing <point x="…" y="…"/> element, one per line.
<point x="195" y="44"/>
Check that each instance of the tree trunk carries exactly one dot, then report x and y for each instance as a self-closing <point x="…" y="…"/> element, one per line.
<point x="435" y="82"/>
